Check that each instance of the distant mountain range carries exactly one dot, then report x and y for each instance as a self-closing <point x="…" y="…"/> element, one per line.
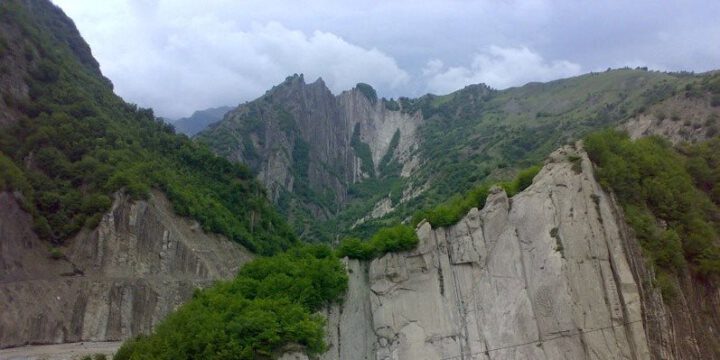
<point x="200" y="119"/>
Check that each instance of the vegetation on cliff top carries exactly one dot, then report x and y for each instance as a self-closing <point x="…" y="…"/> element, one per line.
<point x="451" y="211"/>
<point x="77" y="143"/>
<point x="271" y="303"/>
<point x="671" y="197"/>
<point x="388" y="239"/>
<point x="403" y="237"/>
<point x="478" y="135"/>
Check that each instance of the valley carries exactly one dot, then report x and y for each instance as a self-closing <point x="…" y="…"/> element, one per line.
<point x="577" y="218"/>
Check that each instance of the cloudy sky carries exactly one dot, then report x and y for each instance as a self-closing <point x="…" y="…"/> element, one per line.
<point x="178" y="56"/>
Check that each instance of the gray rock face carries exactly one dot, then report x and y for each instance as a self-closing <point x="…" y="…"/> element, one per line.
<point x="540" y="276"/>
<point x="298" y="138"/>
<point x="113" y="283"/>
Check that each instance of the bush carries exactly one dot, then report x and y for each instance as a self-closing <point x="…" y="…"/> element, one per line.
<point x="355" y="248"/>
<point x="715" y="100"/>
<point x="667" y="286"/>
<point x="271" y="303"/>
<point x="656" y="183"/>
<point x="11" y="177"/>
<point x="56" y="254"/>
<point x="389" y="239"/>
<point x="453" y="210"/>
<point x="368" y="91"/>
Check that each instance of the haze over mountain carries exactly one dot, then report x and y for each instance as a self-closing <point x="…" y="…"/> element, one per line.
<point x="199" y="120"/>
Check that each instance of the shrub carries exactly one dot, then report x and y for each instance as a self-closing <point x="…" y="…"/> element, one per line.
<point x="453" y="210"/>
<point x="56" y="254"/>
<point x="368" y="91"/>
<point x="355" y="248"/>
<point x="11" y="177"/>
<point x="271" y="303"/>
<point x="385" y="240"/>
<point x="667" y="286"/>
<point x="715" y="100"/>
<point x="656" y="183"/>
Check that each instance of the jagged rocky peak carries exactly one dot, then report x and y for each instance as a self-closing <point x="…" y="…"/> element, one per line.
<point x="308" y="146"/>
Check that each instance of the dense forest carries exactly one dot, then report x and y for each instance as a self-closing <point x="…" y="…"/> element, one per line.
<point x="76" y="144"/>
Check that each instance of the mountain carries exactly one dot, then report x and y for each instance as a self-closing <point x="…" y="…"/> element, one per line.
<point x="114" y="228"/>
<point x="351" y="163"/>
<point x="108" y="219"/>
<point x="200" y="120"/>
<point x="308" y="146"/>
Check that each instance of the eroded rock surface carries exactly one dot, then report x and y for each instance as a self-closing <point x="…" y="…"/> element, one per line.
<point x="114" y="282"/>
<point x="540" y="276"/>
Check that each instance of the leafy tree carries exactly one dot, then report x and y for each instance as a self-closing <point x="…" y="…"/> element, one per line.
<point x="271" y="303"/>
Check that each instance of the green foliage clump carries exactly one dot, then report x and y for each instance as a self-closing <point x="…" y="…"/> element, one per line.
<point x="667" y="195"/>
<point x="11" y="177"/>
<point x="77" y="144"/>
<point x="452" y="211"/>
<point x="389" y="239"/>
<point x="386" y="163"/>
<point x="391" y="104"/>
<point x="666" y="284"/>
<point x="271" y="303"/>
<point x="521" y="182"/>
<point x="367" y="91"/>
<point x="712" y="83"/>
<point x="715" y="100"/>
<point x="362" y="150"/>
<point x="56" y="254"/>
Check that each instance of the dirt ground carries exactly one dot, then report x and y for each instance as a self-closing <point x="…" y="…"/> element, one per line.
<point x="70" y="351"/>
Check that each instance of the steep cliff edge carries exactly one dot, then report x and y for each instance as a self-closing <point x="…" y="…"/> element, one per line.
<point x="543" y="275"/>
<point x="112" y="283"/>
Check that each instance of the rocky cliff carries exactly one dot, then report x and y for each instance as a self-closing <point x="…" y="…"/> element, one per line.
<point x="308" y="146"/>
<point x="111" y="283"/>
<point x="543" y="275"/>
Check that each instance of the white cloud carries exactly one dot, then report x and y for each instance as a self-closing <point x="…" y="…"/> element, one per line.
<point x="179" y="55"/>
<point x="178" y="63"/>
<point x="498" y="67"/>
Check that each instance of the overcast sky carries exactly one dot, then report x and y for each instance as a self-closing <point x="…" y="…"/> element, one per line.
<point x="178" y="56"/>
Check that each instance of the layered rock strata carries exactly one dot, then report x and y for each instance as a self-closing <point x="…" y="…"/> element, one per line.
<point x="109" y="284"/>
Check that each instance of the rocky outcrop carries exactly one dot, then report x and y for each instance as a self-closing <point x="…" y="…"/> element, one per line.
<point x="377" y="125"/>
<point x="543" y="275"/>
<point x="111" y="283"/>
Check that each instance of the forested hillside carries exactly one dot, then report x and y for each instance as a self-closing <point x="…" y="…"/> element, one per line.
<point x="403" y="155"/>
<point x="671" y="198"/>
<point x="71" y="143"/>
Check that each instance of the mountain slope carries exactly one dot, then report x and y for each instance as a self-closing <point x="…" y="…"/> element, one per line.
<point x="108" y="219"/>
<point x="356" y="178"/>
<point x="308" y="146"/>
<point x="200" y="120"/>
<point x="73" y="143"/>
